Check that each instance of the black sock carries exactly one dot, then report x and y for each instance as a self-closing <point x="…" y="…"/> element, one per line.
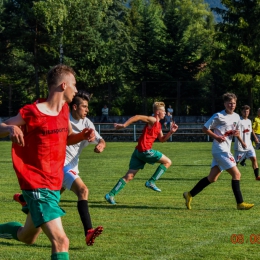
<point x="203" y="183"/>
<point x="84" y="215"/>
<point x="236" y="190"/>
<point x="256" y="171"/>
<point x="243" y="162"/>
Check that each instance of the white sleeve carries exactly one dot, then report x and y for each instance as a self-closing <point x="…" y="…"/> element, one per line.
<point x="89" y="124"/>
<point x="212" y="122"/>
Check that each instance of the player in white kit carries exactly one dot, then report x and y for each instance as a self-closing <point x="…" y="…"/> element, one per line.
<point x="243" y="145"/>
<point x="221" y="127"/>
<point x="72" y="181"/>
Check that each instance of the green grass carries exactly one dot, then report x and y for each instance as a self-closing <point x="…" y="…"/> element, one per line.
<point x="146" y="225"/>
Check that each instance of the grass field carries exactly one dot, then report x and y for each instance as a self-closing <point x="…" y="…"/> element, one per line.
<point x="144" y="224"/>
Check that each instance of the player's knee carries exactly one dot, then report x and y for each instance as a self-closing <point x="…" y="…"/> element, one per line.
<point x="83" y="192"/>
<point x="128" y="177"/>
<point x="167" y="163"/>
<point x="65" y="243"/>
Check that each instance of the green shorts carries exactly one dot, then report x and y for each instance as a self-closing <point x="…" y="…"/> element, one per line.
<point x="139" y="159"/>
<point x="43" y="204"/>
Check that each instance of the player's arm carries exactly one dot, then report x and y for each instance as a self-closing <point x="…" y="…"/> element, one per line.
<point x="255" y="137"/>
<point x="210" y="133"/>
<point x="12" y="128"/>
<point x="74" y="138"/>
<point x="146" y="119"/>
<point x="241" y="141"/>
<point x="163" y="138"/>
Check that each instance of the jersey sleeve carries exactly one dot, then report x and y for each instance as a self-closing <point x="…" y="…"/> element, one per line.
<point x="212" y="122"/>
<point x="89" y="124"/>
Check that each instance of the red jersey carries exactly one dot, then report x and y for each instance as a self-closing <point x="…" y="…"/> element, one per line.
<point x="149" y="134"/>
<point x="39" y="164"/>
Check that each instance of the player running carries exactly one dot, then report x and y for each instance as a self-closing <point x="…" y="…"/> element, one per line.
<point x="243" y="145"/>
<point x="143" y="152"/>
<point x="72" y="181"/>
<point x="224" y="126"/>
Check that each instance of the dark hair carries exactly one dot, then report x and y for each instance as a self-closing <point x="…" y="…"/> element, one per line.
<point x="228" y="96"/>
<point x="245" y="107"/>
<point x="81" y="94"/>
<point x="55" y="74"/>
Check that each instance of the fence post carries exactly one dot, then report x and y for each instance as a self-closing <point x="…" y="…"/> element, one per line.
<point x="134" y="133"/>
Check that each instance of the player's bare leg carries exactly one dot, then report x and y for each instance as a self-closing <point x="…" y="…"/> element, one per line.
<point x="255" y="167"/>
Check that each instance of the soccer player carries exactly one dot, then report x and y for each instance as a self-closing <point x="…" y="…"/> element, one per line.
<point x="143" y="152"/>
<point x="221" y="127"/>
<point x="39" y="133"/>
<point x="256" y="129"/>
<point x="72" y="181"/>
<point x="243" y="145"/>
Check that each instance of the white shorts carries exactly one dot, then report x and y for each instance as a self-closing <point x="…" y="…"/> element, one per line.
<point x="241" y="155"/>
<point x="224" y="161"/>
<point x="69" y="177"/>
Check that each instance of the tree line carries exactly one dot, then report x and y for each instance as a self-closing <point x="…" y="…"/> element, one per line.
<point x="131" y="53"/>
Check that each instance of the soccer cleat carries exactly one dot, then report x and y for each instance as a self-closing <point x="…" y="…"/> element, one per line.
<point x="16" y="197"/>
<point x="188" y="198"/>
<point x="257" y="178"/>
<point x="244" y="206"/>
<point x="92" y="234"/>
<point x="110" y="199"/>
<point x="152" y="186"/>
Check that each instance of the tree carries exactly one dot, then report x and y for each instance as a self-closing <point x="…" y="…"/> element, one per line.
<point x="28" y="46"/>
<point x="238" y="54"/>
<point x="190" y="31"/>
<point x="95" y="44"/>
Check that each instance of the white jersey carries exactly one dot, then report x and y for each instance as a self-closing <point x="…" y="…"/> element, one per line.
<point x="245" y="129"/>
<point x="223" y="124"/>
<point x="73" y="151"/>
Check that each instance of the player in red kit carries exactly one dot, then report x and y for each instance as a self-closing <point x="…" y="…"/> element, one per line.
<point x="143" y="152"/>
<point x="39" y="133"/>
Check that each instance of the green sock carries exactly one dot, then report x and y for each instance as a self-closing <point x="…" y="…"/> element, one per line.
<point x="60" y="256"/>
<point x="158" y="173"/>
<point x="119" y="186"/>
<point x="9" y="230"/>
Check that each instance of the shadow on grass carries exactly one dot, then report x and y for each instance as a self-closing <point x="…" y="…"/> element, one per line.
<point x="143" y="207"/>
<point x="34" y="245"/>
<point x="104" y="204"/>
<point x="172" y="179"/>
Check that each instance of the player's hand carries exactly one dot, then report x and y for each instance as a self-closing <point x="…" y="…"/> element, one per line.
<point x="118" y="126"/>
<point x="244" y="145"/>
<point x="16" y="135"/>
<point x="236" y="133"/>
<point x="173" y="128"/>
<point x="88" y="134"/>
<point x="220" y="139"/>
<point x="99" y="148"/>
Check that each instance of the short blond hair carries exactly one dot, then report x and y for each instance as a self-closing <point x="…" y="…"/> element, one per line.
<point x="158" y="106"/>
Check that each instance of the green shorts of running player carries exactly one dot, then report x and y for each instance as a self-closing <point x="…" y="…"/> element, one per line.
<point x="139" y="159"/>
<point x="43" y="204"/>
